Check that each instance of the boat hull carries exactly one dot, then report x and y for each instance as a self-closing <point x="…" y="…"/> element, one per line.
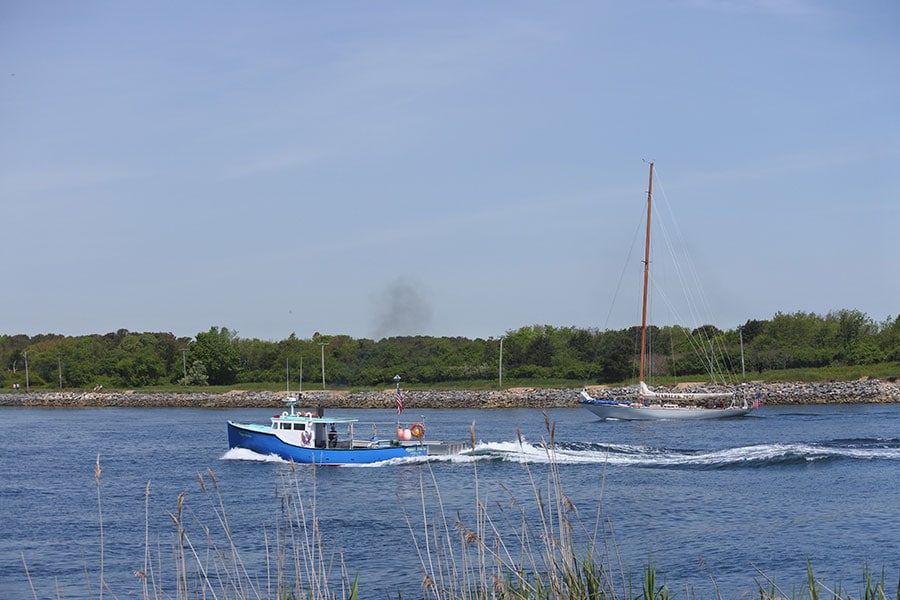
<point x="636" y="412"/>
<point x="261" y="441"/>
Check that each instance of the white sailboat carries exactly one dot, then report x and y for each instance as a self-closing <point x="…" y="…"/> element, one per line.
<point x="650" y="405"/>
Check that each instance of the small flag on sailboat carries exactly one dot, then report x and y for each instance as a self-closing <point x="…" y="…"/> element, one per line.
<point x="399" y="401"/>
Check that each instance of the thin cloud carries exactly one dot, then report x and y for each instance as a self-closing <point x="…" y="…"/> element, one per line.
<point x="278" y="162"/>
<point x="784" y="8"/>
<point x="54" y="179"/>
<point x="767" y="168"/>
<point x="376" y="96"/>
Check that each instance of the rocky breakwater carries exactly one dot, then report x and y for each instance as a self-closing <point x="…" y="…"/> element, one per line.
<point x="838" y="392"/>
<point x="510" y="398"/>
<point x="849" y="392"/>
<point x="862" y="391"/>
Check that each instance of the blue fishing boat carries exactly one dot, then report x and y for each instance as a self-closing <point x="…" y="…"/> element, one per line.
<point x="311" y="437"/>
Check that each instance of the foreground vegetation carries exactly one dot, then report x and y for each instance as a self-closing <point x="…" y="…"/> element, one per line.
<point x="536" y="551"/>
<point x="843" y="344"/>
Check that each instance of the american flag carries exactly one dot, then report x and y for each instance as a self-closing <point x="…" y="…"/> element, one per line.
<point x="399" y="402"/>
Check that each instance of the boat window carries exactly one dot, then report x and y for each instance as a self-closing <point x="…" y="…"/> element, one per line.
<point x="300" y="426"/>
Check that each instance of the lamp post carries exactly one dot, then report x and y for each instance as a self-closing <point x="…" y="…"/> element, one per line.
<point x="501" y="363"/>
<point x="287" y="375"/>
<point x="322" y="346"/>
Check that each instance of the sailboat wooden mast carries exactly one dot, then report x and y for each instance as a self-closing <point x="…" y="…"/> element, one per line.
<point x="646" y="275"/>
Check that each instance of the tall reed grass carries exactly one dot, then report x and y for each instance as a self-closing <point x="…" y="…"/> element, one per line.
<point x="538" y="549"/>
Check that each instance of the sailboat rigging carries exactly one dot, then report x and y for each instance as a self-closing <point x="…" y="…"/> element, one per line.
<point x="652" y="405"/>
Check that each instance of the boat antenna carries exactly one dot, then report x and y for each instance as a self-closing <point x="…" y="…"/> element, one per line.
<point x="646" y="275"/>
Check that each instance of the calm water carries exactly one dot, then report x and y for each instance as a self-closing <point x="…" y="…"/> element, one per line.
<point x="704" y="500"/>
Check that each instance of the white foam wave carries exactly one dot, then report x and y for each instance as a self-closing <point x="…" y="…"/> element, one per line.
<point x="244" y="454"/>
<point x="406" y="460"/>
<point x="527" y="453"/>
<point x="624" y="455"/>
<point x="621" y="455"/>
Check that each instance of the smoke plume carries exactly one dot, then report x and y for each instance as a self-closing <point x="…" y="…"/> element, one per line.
<point x="401" y="309"/>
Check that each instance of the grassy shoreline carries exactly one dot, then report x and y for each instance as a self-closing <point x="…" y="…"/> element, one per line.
<point x="888" y="372"/>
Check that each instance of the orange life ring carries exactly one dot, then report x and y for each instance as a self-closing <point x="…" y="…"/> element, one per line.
<point x="417" y="430"/>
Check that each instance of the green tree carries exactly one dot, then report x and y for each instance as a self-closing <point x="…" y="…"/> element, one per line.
<point x="855" y="333"/>
<point x="85" y="361"/>
<point x="617" y="351"/>
<point x="218" y="353"/>
<point x="260" y="361"/>
<point x="888" y="338"/>
<point x="196" y="375"/>
<point x="794" y="341"/>
<point x="751" y="329"/>
<point x="137" y="361"/>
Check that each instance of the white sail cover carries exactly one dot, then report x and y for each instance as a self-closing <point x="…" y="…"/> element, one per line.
<point x="647" y="394"/>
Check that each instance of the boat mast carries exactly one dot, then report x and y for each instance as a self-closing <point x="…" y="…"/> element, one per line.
<point x="646" y="275"/>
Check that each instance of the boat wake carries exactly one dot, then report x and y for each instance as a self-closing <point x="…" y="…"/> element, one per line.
<point x="576" y="453"/>
<point x="250" y="455"/>
<point x="755" y="456"/>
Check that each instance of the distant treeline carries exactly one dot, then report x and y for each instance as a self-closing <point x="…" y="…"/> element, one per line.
<point x="126" y="359"/>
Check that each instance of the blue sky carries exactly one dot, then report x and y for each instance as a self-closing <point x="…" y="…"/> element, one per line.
<point x="440" y="168"/>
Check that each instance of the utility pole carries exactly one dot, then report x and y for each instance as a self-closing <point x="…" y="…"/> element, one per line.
<point x="27" y="386"/>
<point x="59" y="368"/>
<point x="501" y="363"/>
<point x="322" y="346"/>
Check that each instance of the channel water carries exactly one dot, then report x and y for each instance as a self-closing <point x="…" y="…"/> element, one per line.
<point x="717" y="506"/>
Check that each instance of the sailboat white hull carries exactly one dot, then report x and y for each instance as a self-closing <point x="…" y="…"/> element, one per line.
<point x="635" y="411"/>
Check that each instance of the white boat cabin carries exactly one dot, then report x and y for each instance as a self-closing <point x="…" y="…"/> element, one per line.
<point x="311" y="429"/>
